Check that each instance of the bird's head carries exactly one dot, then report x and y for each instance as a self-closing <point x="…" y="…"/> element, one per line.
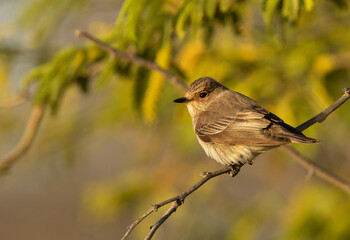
<point x="201" y="94"/>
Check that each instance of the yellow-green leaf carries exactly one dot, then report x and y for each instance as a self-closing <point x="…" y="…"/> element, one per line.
<point x="269" y="9"/>
<point x="155" y="85"/>
<point x="308" y="4"/>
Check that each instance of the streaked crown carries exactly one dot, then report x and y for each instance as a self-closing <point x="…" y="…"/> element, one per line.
<point x="204" y="84"/>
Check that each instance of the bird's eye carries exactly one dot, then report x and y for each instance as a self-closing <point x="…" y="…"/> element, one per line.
<point x="203" y="94"/>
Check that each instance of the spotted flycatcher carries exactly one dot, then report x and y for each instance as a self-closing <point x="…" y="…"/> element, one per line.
<point x="232" y="128"/>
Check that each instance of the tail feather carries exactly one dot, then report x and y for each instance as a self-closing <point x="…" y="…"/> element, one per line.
<point x="295" y="136"/>
<point x="303" y="139"/>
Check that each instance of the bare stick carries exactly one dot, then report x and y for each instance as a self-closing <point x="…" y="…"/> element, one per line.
<point x="179" y="198"/>
<point x="167" y="214"/>
<point x="21" y="98"/>
<point x="140" y="61"/>
<point x="324" y="114"/>
<point x="134" y="224"/>
<point x="318" y="170"/>
<point x="311" y="166"/>
<point x="26" y="140"/>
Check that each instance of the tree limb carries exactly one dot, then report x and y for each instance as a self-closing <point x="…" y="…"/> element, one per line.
<point x="311" y="166"/>
<point x="179" y="199"/>
<point x="132" y="58"/>
<point x="26" y="139"/>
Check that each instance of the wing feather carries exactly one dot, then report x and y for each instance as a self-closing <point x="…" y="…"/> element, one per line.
<point x="255" y="126"/>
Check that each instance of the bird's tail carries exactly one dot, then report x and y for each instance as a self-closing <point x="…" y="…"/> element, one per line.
<point x="295" y="136"/>
<point x="303" y="139"/>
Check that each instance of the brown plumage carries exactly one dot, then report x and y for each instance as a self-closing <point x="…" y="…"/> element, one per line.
<point x="233" y="128"/>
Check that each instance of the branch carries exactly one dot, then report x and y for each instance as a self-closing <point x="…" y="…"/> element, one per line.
<point x="21" y="98"/>
<point x="26" y="140"/>
<point x="167" y="214"/>
<point x="308" y="164"/>
<point x="323" y="115"/>
<point x="179" y="199"/>
<point x="38" y="111"/>
<point x="132" y="58"/>
<point x="311" y="166"/>
<point x="321" y="172"/>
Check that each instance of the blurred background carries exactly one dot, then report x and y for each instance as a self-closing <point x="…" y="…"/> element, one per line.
<point x="112" y="142"/>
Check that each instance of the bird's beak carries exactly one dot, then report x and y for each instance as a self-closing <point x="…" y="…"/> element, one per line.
<point x="181" y="100"/>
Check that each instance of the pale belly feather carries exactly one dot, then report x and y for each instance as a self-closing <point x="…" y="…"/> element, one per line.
<point x="232" y="154"/>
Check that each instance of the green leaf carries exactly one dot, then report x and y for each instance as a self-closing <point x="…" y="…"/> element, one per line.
<point x="140" y="86"/>
<point x="224" y="5"/>
<point x="183" y="16"/>
<point x="210" y="8"/>
<point x="106" y="73"/>
<point x="269" y="9"/>
<point x="290" y="9"/>
<point x="122" y="13"/>
<point x="197" y="17"/>
<point x="129" y="17"/>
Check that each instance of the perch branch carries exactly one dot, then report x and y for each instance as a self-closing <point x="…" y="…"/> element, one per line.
<point x="132" y="58"/>
<point x="179" y="199"/>
<point x="26" y="140"/>
<point x="324" y="114"/>
<point x="311" y="166"/>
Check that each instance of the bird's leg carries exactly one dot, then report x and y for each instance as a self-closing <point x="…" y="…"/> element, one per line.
<point x="235" y="169"/>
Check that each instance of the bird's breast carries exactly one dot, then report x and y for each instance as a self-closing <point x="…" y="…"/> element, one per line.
<point x="231" y="154"/>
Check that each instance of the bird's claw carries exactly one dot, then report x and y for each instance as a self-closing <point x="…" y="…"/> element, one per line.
<point x="234" y="169"/>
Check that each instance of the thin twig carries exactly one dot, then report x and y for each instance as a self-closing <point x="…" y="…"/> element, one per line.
<point x="18" y="100"/>
<point x="140" y="61"/>
<point x="179" y="198"/>
<point x="324" y="114"/>
<point x="26" y="139"/>
<point x="134" y="224"/>
<point x="318" y="170"/>
<point x="311" y="166"/>
<point x="167" y="214"/>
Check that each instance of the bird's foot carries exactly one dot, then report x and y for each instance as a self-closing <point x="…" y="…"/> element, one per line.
<point x="204" y="174"/>
<point x="234" y="169"/>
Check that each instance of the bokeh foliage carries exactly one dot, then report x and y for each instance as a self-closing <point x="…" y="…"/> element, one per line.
<point x="293" y="56"/>
<point x="222" y="39"/>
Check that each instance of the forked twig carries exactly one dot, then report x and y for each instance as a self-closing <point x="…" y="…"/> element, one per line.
<point x="179" y="199"/>
<point x="167" y="214"/>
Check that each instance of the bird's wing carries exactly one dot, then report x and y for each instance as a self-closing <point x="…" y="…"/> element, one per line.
<point x="253" y="126"/>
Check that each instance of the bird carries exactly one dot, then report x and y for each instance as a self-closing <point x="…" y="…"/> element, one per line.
<point x="232" y="128"/>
